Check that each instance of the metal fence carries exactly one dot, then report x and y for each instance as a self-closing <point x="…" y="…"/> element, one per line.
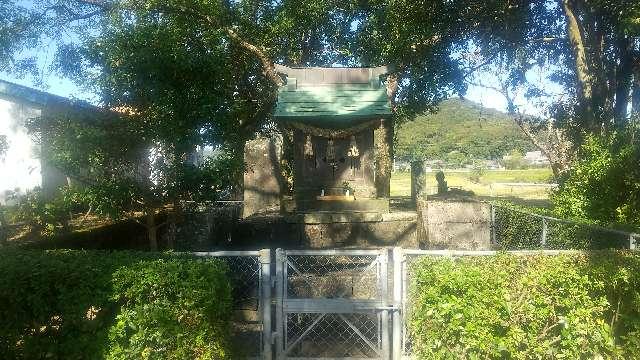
<point x="514" y="229"/>
<point x="328" y="304"/>
<point x="251" y="290"/>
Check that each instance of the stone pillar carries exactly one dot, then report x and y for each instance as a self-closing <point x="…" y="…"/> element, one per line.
<point x="454" y="225"/>
<point x="421" y="223"/>
<point x="418" y="180"/>
<point x="383" y="140"/>
<point x="263" y="180"/>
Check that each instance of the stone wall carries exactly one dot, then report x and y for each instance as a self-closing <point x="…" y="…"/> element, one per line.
<point x="454" y="224"/>
<point x="218" y="229"/>
<point x="438" y="224"/>
<point x="263" y="179"/>
<point x="391" y="229"/>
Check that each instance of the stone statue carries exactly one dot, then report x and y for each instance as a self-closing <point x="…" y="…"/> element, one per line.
<point x="442" y="183"/>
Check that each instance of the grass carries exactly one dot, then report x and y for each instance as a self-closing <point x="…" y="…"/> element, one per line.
<point x="494" y="183"/>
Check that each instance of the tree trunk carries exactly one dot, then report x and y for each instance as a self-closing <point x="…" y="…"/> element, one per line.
<point x="583" y="72"/>
<point x="624" y="74"/>
<point x="4" y="229"/>
<point x="635" y="91"/>
<point x="152" y="230"/>
<point x="383" y="139"/>
<point x="237" y="188"/>
<point x="635" y="99"/>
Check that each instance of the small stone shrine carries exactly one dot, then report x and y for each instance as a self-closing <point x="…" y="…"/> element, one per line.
<point x="340" y="165"/>
<point x="333" y="113"/>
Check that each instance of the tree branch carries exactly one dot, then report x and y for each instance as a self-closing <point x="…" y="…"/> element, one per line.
<point x="267" y="64"/>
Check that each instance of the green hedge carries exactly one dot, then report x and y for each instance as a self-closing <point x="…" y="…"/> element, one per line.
<point x="112" y="305"/>
<point x="518" y="230"/>
<point x="535" y="307"/>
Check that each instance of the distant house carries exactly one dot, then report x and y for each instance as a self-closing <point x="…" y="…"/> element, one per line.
<point x="23" y="167"/>
<point x="401" y="165"/>
<point x="493" y="165"/>
<point x="536" y="158"/>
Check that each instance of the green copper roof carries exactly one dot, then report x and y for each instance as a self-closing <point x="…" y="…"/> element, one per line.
<point x="333" y="98"/>
<point x="332" y="106"/>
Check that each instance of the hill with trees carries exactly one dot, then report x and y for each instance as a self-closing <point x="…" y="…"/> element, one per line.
<point x="460" y="131"/>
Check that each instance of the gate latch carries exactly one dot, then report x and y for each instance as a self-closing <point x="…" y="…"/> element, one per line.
<point x="388" y="308"/>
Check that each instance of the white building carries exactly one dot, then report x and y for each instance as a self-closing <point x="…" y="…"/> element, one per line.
<point x="536" y="158"/>
<point x="22" y="167"/>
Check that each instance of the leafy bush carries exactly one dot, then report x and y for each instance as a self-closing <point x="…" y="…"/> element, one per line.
<point x="515" y="161"/>
<point x="604" y="185"/>
<point x="507" y="307"/>
<point x="477" y="171"/>
<point x="44" y="217"/>
<point x="94" y="305"/>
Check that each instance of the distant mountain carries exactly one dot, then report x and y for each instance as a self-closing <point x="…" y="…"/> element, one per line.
<point x="461" y="128"/>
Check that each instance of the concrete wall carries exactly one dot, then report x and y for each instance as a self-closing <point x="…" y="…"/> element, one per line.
<point x="24" y="167"/>
<point x="454" y="224"/>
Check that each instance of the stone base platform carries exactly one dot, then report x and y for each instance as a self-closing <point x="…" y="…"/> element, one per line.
<point x="331" y="229"/>
<point x="437" y="224"/>
<point x="317" y="230"/>
<point x="315" y="205"/>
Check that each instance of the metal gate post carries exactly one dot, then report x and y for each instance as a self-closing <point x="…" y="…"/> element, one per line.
<point x="384" y="296"/>
<point x="280" y="281"/>
<point x="543" y="236"/>
<point x="397" y="335"/>
<point x="265" y="303"/>
<point x="493" y="225"/>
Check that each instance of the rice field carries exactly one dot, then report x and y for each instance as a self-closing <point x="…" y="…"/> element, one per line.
<point x="532" y="184"/>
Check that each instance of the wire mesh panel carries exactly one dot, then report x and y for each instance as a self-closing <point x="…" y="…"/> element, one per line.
<point x="409" y="258"/>
<point x="333" y="335"/>
<point x="514" y="229"/>
<point x="406" y="307"/>
<point x="245" y="273"/>
<point x="333" y="276"/>
<point x="331" y="304"/>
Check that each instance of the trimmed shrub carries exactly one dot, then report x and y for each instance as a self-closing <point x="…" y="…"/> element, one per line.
<point x="534" y="307"/>
<point x="516" y="229"/>
<point x="120" y="305"/>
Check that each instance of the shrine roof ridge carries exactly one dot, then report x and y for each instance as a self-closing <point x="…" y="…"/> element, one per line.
<point x="332" y="75"/>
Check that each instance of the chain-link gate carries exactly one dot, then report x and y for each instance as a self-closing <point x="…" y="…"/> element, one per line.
<point x="332" y="304"/>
